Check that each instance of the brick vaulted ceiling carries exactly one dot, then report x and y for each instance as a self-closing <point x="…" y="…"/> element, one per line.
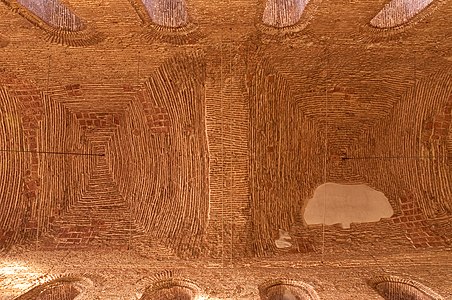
<point x="197" y="131"/>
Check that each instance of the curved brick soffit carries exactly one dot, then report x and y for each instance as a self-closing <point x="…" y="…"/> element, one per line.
<point x="59" y="22"/>
<point x="409" y="204"/>
<point x="170" y="121"/>
<point x="169" y="285"/>
<point x="21" y="111"/>
<point x="276" y="18"/>
<point x="387" y="285"/>
<point x="298" y="289"/>
<point x="397" y="16"/>
<point x="161" y="27"/>
<point x="64" y="287"/>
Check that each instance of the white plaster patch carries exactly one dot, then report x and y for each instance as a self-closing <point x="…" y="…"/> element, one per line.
<point x="283" y="241"/>
<point x="345" y="204"/>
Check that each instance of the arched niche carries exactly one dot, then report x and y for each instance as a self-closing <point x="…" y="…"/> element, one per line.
<point x="166" y="21"/>
<point x="283" y="13"/>
<point x="59" y="21"/>
<point x="396" y="288"/>
<point x="54" y="13"/>
<point x="167" y="13"/>
<point x="284" y="289"/>
<point x="171" y="289"/>
<point x="398" y="12"/>
<point x="64" y="287"/>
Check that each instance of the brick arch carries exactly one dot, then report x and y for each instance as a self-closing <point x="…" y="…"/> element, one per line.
<point x="58" y="287"/>
<point x="397" y="288"/>
<point x="282" y="289"/>
<point x="165" y="287"/>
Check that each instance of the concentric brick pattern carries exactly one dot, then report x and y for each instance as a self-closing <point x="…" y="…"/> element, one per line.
<point x="122" y="157"/>
<point x="21" y="112"/>
<point x="356" y="132"/>
<point x="109" y="156"/>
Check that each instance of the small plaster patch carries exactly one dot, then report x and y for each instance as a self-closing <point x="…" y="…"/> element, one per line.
<point x="345" y="204"/>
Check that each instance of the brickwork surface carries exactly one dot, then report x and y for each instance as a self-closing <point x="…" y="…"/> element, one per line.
<point x="193" y="136"/>
<point x="126" y="275"/>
